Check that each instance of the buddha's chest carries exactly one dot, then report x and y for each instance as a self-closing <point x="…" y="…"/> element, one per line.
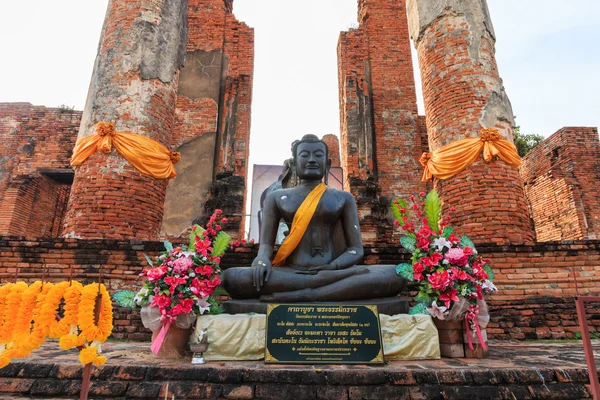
<point x="328" y="210"/>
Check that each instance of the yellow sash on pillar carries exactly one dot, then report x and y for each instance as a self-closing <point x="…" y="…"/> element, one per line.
<point x="299" y="225"/>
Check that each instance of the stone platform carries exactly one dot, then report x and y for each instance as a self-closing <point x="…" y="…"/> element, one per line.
<point x="513" y="371"/>
<point x="386" y="305"/>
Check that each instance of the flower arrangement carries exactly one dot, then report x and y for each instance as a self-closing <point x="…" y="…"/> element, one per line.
<point x="451" y="277"/>
<point x="182" y="281"/>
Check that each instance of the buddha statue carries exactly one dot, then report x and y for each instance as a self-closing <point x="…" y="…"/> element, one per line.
<point x="319" y="259"/>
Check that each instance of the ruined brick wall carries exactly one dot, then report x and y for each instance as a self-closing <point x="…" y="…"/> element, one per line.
<point x="35" y="147"/>
<point x="536" y="284"/>
<point x="463" y="93"/>
<point x="142" y="48"/>
<point x="333" y="147"/>
<point x="212" y="124"/>
<point x="380" y="138"/>
<point x="561" y="177"/>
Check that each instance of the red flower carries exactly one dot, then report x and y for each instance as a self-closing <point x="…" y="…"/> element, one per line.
<point x="161" y="301"/>
<point x="418" y="276"/>
<point x="396" y="223"/>
<point x="432" y="260"/>
<point x="449" y="296"/>
<point x="423" y="242"/>
<point x="154" y="274"/>
<point x="205" y="270"/>
<point x="468" y="251"/>
<point x="460" y="274"/>
<point x="440" y="280"/>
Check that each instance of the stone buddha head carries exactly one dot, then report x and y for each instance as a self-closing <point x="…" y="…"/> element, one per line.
<point x="310" y="157"/>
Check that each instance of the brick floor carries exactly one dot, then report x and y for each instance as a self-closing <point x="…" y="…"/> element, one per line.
<point x="513" y="371"/>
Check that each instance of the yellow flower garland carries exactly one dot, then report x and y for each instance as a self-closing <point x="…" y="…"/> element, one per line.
<point x="86" y="318"/>
<point x="36" y="307"/>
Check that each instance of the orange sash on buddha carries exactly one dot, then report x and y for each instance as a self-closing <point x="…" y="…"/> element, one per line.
<point x="299" y="224"/>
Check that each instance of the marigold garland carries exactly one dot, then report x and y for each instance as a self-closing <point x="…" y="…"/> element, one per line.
<point x="36" y="319"/>
<point x="87" y="319"/>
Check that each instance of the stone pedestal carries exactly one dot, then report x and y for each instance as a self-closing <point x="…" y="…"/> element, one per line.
<point x="387" y="305"/>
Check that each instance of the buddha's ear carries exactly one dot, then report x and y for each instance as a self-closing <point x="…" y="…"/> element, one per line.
<point x="327" y="169"/>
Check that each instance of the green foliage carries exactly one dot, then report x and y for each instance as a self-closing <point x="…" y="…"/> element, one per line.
<point x="418" y="309"/>
<point x="220" y="244"/>
<point x="197" y="231"/>
<point x="593" y="335"/>
<point x="63" y="108"/>
<point x="168" y="246"/>
<point x="125" y="298"/>
<point x="406" y="271"/>
<point x="526" y="142"/>
<point x="409" y="243"/>
<point x="214" y="306"/>
<point x="396" y="210"/>
<point x="220" y="291"/>
<point x="433" y="210"/>
<point x="423" y="297"/>
<point x="490" y="273"/>
<point x="465" y="241"/>
<point x="447" y="232"/>
<point x="149" y="260"/>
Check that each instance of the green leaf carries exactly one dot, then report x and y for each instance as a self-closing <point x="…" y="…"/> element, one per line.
<point x="418" y="309"/>
<point x="409" y="243"/>
<point x="125" y="298"/>
<point x="149" y="260"/>
<point x="406" y="271"/>
<point x="168" y="246"/>
<point x="447" y="232"/>
<point x="220" y="291"/>
<point x="197" y="231"/>
<point x="396" y="210"/>
<point x="490" y="273"/>
<point x="433" y="210"/>
<point x="465" y="241"/>
<point x="220" y="244"/>
<point x="423" y="297"/>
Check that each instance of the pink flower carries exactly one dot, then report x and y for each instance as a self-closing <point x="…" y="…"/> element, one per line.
<point x="182" y="265"/>
<point x="457" y="256"/>
<point x="440" y="280"/>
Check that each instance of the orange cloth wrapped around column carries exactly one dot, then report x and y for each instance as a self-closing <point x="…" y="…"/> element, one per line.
<point x="454" y="157"/>
<point x="299" y="224"/>
<point x="145" y="154"/>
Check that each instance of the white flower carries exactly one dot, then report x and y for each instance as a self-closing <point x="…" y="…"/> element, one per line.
<point x="203" y="305"/>
<point x="192" y="275"/>
<point x="441" y="242"/>
<point x="446" y="262"/>
<point x="488" y="285"/>
<point x="437" y="311"/>
<point x="139" y="297"/>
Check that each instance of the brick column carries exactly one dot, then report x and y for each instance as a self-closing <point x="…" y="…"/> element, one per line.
<point x="463" y="93"/>
<point x="134" y="84"/>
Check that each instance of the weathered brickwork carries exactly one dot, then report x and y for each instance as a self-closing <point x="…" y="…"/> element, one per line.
<point x="134" y="85"/>
<point x="212" y="125"/>
<point x="333" y="147"/>
<point x="536" y="283"/>
<point x="381" y="141"/>
<point x="35" y="147"/>
<point x="462" y="93"/>
<point x="561" y="178"/>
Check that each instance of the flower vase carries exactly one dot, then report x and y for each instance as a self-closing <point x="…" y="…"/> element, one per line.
<point x="451" y="338"/>
<point x="175" y="340"/>
<point x="478" y="351"/>
<point x="175" y="344"/>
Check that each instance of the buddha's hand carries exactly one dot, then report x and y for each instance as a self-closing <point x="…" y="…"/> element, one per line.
<point x="325" y="267"/>
<point x="261" y="272"/>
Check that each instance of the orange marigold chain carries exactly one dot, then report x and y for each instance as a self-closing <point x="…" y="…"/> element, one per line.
<point x="13" y="299"/>
<point x="33" y="336"/>
<point x="69" y="337"/>
<point x="94" y="334"/>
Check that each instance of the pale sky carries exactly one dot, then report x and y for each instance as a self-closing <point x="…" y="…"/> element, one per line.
<point x="547" y="52"/>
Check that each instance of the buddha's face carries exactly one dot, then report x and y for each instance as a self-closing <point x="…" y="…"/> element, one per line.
<point x="311" y="160"/>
